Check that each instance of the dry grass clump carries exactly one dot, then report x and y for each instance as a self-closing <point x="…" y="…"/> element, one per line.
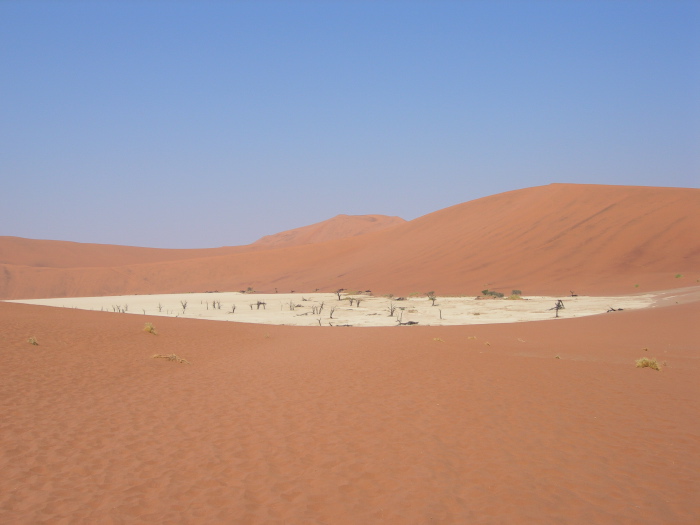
<point x="515" y="297"/>
<point x="646" y="362"/>
<point x="172" y="357"/>
<point x="32" y="341"/>
<point x="150" y="329"/>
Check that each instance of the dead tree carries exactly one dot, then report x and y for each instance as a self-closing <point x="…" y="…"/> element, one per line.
<point x="184" y="306"/>
<point x="338" y="292"/>
<point x="432" y="297"/>
<point x="559" y="305"/>
<point x="392" y="309"/>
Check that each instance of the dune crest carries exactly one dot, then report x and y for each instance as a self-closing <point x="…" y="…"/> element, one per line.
<point x="339" y="227"/>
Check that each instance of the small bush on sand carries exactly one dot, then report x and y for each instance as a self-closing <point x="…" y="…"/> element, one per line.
<point x="515" y="297"/>
<point x="33" y="341"/>
<point x="646" y="362"/>
<point x="172" y="357"/>
<point x="150" y="328"/>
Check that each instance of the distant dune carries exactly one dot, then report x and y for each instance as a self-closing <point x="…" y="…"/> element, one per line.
<point x="17" y="251"/>
<point x="591" y="239"/>
<point x="339" y="227"/>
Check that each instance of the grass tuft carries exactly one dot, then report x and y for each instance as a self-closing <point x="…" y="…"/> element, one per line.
<point x="646" y="362"/>
<point x="32" y="341"/>
<point x="148" y="327"/>
<point x="172" y="357"/>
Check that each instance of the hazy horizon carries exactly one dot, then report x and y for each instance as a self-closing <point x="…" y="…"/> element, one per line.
<point x="192" y="125"/>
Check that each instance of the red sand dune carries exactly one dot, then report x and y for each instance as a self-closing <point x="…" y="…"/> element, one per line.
<point x="339" y="227"/>
<point x="551" y="239"/>
<point x="403" y="425"/>
<point x="17" y="251"/>
<point x="276" y="424"/>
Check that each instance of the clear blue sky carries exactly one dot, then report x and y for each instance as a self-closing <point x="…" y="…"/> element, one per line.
<point x="205" y="123"/>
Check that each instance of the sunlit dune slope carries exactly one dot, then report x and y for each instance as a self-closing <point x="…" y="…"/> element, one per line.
<point x="339" y="227"/>
<point x="552" y="239"/>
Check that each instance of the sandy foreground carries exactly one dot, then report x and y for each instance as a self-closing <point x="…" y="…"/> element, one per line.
<point x="326" y="309"/>
<point x="538" y="422"/>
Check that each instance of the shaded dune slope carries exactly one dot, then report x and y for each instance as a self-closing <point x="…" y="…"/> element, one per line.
<point x="550" y="239"/>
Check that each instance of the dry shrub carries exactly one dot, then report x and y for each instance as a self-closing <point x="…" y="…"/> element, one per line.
<point x="172" y="357"/>
<point x="646" y="362"/>
<point x="514" y="297"/>
<point x="32" y="341"/>
<point x="150" y="328"/>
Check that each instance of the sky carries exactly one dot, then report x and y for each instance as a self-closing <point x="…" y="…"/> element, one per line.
<point x="176" y="124"/>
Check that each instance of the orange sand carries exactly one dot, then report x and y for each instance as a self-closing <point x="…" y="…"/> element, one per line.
<point x="275" y="424"/>
<point x="397" y="425"/>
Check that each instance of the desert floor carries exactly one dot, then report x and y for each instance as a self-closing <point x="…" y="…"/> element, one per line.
<point x="537" y="422"/>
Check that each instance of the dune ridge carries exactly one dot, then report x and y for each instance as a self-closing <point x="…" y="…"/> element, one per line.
<point x="546" y="240"/>
<point x="339" y="227"/>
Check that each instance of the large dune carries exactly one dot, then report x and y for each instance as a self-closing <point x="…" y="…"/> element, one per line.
<point x="551" y="239"/>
